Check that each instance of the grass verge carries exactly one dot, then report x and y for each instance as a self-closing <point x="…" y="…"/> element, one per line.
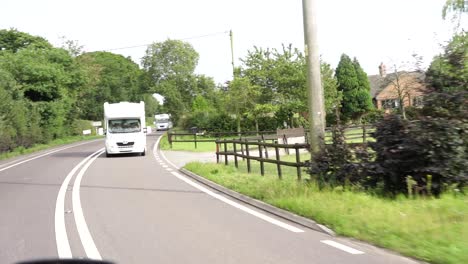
<point x="57" y="142"/>
<point x="433" y="230"/>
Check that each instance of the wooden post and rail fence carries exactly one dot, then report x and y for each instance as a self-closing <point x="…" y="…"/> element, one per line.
<point x="253" y="145"/>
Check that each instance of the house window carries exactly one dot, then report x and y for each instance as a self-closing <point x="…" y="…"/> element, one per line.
<point x="418" y="101"/>
<point x="390" y="103"/>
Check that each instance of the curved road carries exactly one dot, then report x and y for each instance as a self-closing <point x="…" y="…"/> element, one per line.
<point x="73" y="202"/>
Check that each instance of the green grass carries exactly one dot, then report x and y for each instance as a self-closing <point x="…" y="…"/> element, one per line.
<point x="57" y="142"/>
<point x="434" y="230"/>
<point x="190" y="146"/>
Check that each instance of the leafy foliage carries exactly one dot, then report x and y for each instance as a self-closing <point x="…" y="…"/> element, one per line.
<point x="449" y="71"/>
<point x="14" y="40"/>
<point x="46" y="92"/>
<point x="354" y="84"/>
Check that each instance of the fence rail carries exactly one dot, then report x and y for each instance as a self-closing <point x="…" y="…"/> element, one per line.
<point x="357" y="134"/>
<point x="241" y="145"/>
<point x="263" y="156"/>
<point x="213" y="136"/>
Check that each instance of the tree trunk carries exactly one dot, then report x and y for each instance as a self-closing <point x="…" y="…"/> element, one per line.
<point x="256" y="126"/>
<point x="403" y="111"/>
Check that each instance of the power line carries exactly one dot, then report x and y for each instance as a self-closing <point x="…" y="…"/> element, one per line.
<point x="187" y="38"/>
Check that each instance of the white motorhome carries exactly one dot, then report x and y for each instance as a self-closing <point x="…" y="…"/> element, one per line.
<point x="162" y="122"/>
<point x="125" y="128"/>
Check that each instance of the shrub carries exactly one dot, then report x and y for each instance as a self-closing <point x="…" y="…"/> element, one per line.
<point x="430" y="150"/>
<point x="338" y="164"/>
<point x="79" y="125"/>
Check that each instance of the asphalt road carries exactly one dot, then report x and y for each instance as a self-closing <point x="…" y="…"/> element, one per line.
<point x="134" y="209"/>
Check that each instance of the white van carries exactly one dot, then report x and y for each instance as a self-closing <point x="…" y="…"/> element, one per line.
<point x="162" y="122"/>
<point x="125" y="128"/>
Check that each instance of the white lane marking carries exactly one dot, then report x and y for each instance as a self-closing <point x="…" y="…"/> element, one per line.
<point x="61" y="238"/>
<point x="226" y="200"/>
<point x="239" y="206"/>
<point x="169" y="169"/>
<point x="162" y="154"/>
<point x="40" y="156"/>
<point x="342" y="247"/>
<point x="85" y="236"/>
<point x="164" y="166"/>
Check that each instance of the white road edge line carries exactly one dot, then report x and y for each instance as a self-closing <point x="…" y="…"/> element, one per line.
<point x="342" y="247"/>
<point x="83" y="231"/>
<point x="61" y="238"/>
<point x="228" y="201"/>
<point x="40" y="156"/>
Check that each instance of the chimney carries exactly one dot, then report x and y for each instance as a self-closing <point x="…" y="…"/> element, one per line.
<point x="382" y="70"/>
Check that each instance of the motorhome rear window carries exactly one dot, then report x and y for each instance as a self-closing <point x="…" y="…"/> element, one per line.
<point x="124" y="125"/>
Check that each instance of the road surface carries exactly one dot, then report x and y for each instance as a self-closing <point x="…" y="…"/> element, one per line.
<point x="72" y="201"/>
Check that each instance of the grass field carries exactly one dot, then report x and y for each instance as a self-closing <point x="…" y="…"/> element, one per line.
<point x="57" y="142"/>
<point x="434" y="230"/>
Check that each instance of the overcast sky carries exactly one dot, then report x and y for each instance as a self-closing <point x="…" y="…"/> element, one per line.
<point x="374" y="31"/>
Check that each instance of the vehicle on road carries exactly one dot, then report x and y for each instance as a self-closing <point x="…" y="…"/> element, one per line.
<point x="125" y="128"/>
<point x="162" y="122"/>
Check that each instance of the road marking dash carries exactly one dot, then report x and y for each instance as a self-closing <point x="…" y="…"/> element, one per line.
<point x="342" y="247"/>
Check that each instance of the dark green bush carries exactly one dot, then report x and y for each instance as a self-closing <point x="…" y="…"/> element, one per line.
<point x="432" y="151"/>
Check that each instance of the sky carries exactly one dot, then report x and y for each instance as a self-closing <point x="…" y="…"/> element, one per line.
<point x="373" y="31"/>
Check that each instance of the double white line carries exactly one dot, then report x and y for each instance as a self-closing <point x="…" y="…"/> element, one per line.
<point x="61" y="237"/>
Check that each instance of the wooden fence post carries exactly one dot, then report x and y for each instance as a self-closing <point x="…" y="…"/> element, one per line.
<point x="264" y="147"/>
<point x="364" y="139"/>
<point x="217" y="151"/>
<point x="298" y="160"/>
<point x="235" y="155"/>
<point x="242" y="148"/>
<point x="169" y="138"/>
<point x="225" y="153"/>
<point x="260" y="154"/>
<point x="278" y="166"/>
<point x="247" y="152"/>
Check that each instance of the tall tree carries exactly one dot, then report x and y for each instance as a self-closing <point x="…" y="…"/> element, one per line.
<point x="332" y="96"/>
<point x="112" y="78"/>
<point x="169" y="59"/>
<point x="170" y="66"/>
<point x="241" y="97"/>
<point x="14" y="40"/>
<point x="448" y="72"/>
<point x="457" y="7"/>
<point x="355" y="88"/>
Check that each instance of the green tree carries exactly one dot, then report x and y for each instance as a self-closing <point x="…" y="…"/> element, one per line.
<point x="353" y="83"/>
<point x="241" y="97"/>
<point x="14" y="40"/>
<point x="259" y="111"/>
<point x="332" y="96"/>
<point x="457" y="7"/>
<point x="47" y="79"/>
<point x="170" y="67"/>
<point x="170" y="59"/>
<point x="279" y="73"/>
<point x="111" y="78"/>
<point x="448" y="72"/>
<point x="281" y="76"/>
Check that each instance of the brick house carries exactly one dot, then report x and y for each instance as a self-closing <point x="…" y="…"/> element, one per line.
<point x="387" y="89"/>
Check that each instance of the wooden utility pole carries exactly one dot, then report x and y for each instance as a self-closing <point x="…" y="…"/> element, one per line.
<point x="314" y="82"/>
<point x="232" y="53"/>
